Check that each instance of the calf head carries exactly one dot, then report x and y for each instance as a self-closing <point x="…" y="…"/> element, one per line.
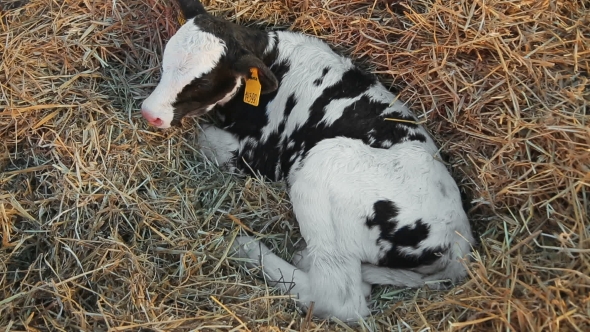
<point x="204" y="65"/>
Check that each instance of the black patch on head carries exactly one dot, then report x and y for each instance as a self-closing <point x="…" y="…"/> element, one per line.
<point x="363" y="120"/>
<point x="239" y="39"/>
<point x="210" y="88"/>
<point x="385" y="217"/>
<point x="203" y="92"/>
<point x="191" y="8"/>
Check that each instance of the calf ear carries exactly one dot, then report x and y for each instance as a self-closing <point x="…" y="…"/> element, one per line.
<point x="191" y="8"/>
<point x="267" y="79"/>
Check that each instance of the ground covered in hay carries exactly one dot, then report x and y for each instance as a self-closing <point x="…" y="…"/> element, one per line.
<point x="107" y="224"/>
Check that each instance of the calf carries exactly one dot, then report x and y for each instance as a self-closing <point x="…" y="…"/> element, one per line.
<point x="374" y="202"/>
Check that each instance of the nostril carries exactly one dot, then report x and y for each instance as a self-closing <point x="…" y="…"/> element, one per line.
<point x="150" y="118"/>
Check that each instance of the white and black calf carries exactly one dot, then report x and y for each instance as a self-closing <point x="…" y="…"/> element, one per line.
<point x="374" y="202"/>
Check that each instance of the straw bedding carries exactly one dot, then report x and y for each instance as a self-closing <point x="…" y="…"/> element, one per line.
<point x="108" y="224"/>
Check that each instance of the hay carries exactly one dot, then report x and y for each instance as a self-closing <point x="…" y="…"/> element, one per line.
<point x="109" y="224"/>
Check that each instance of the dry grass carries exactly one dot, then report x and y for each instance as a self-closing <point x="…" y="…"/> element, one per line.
<point x="107" y="224"/>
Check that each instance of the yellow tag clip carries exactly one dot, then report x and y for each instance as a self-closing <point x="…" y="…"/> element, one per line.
<point x="253" y="88"/>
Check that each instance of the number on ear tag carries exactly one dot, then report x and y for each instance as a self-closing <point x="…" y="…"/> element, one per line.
<point x="253" y="88"/>
<point x="181" y="19"/>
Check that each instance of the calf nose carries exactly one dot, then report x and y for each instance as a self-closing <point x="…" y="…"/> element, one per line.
<point x="153" y="120"/>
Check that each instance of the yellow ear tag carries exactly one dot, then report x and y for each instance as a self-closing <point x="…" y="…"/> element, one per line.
<point x="253" y="88"/>
<point x="181" y="19"/>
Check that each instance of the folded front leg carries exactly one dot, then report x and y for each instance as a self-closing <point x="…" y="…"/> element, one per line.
<point x="278" y="272"/>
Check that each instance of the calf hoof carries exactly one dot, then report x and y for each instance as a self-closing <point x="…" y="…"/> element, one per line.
<point x="248" y="247"/>
<point x="366" y="289"/>
<point x="440" y="285"/>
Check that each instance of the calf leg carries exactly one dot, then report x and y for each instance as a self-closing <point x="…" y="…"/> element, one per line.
<point x="303" y="260"/>
<point x="219" y="146"/>
<point x="331" y="259"/>
<point x="278" y="272"/>
<point x="322" y="284"/>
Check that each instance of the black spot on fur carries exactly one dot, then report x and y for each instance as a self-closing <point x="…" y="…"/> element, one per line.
<point x="361" y="120"/>
<point x="291" y="102"/>
<point x="408" y="236"/>
<point x="280" y="69"/>
<point x="417" y="137"/>
<point x="397" y="260"/>
<point x="320" y="80"/>
<point x="353" y="82"/>
<point x="268" y="163"/>
<point x="384" y="216"/>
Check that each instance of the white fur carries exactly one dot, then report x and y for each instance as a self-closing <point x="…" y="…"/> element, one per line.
<point x="271" y="43"/>
<point x="189" y="54"/>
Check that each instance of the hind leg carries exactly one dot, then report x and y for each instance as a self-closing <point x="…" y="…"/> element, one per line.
<point x="331" y="258"/>
<point x="303" y="260"/>
<point x="329" y="283"/>
<point x="278" y="272"/>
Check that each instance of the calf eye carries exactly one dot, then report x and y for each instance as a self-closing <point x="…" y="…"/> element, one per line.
<point x="201" y="84"/>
